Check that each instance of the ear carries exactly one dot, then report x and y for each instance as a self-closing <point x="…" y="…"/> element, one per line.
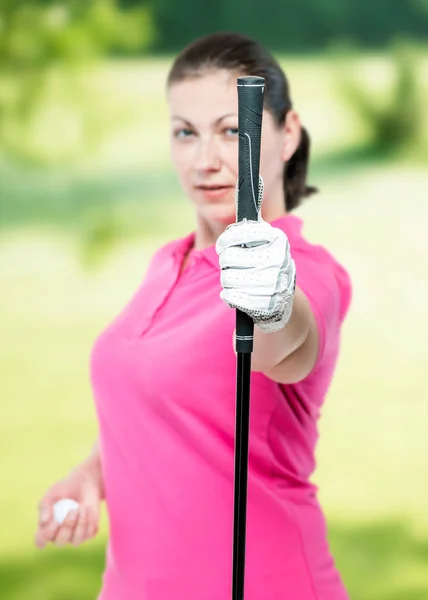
<point x="292" y="134"/>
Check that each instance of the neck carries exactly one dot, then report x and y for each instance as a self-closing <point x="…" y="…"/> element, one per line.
<point x="207" y="232"/>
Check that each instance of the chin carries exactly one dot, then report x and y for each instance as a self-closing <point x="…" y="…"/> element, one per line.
<point x="221" y="214"/>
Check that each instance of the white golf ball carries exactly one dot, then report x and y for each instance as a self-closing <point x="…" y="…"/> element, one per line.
<point x="62" y="508"/>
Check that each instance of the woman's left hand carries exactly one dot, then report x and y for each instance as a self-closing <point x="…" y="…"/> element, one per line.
<point x="258" y="275"/>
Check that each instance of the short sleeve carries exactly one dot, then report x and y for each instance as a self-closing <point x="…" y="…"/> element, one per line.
<point x="327" y="286"/>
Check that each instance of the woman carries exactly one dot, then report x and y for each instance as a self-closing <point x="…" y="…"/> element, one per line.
<point x="163" y="372"/>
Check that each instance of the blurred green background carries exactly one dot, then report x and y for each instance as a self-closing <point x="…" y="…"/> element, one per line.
<point x="87" y="194"/>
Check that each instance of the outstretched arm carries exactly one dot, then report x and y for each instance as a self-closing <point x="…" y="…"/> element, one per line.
<point x="288" y="355"/>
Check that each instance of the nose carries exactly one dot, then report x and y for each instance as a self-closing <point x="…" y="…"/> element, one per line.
<point x="207" y="157"/>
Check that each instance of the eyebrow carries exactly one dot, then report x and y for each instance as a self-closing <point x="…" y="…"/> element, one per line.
<point x="216" y="122"/>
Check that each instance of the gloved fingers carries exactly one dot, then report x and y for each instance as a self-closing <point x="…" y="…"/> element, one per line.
<point x="257" y="281"/>
<point x="249" y="304"/>
<point x="271" y="253"/>
<point x="238" y="257"/>
<point x="248" y="234"/>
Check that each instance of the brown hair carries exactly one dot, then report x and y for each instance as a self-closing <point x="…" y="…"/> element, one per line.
<point x="242" y="54"/>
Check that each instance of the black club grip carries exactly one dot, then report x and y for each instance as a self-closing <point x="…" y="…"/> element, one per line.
<point x="250" y="113"/>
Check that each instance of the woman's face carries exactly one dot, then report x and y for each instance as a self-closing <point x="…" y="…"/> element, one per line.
<point x="204" y="147"/>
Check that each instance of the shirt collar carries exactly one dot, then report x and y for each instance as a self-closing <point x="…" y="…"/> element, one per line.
<point x="289" y="224"/>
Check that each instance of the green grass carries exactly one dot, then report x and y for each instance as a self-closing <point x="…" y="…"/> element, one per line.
<point x="382" y="561"/>
<point x="59" y="288"/>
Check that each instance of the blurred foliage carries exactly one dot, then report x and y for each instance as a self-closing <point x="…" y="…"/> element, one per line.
<point x="47" y="49"/>
<point x="36" y="34"/>
<point x="289" y="26"/>
<point x="103" y="229"/>
<point x="391" y="113"/>
<point x="43" y="48"/>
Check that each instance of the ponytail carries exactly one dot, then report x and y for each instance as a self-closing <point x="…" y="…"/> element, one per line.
<point x="295" y="173"/>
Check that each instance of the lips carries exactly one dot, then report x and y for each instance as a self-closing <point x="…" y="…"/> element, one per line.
<point x="214" y="192"/>
<point x="213" y="187"/>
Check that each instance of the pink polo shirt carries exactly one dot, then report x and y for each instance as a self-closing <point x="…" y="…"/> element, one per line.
<point x="163" y="376"/>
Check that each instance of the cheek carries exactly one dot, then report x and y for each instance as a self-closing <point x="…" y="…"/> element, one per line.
<point x="271" y="163"/>
<point x="231" y="157"/>
<point x="182" y="159"/>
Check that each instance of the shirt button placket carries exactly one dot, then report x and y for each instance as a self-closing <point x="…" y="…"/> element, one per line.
<point x="158" y="300"/>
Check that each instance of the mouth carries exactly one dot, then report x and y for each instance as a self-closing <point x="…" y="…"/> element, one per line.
<point x="213" y="187"/>
<point x="214" y="192"/>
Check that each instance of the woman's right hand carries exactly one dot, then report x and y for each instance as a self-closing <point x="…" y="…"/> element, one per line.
<point x="83" y="484"/>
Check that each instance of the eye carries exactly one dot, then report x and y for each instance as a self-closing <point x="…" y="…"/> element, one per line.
<point x="231" y="132"/>
<point x="183" y="133"/>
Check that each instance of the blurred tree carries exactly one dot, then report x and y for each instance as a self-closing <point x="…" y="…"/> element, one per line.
<point x="39" y="38"/>
<point x="394" y="117"/>
<point x="287" y="25"/>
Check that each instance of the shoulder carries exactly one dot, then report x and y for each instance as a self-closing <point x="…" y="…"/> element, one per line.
<point x="170" y="250"/>
<point x="300" y="245"/>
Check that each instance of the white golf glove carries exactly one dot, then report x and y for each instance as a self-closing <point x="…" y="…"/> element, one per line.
<point x="258" y="275"/>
